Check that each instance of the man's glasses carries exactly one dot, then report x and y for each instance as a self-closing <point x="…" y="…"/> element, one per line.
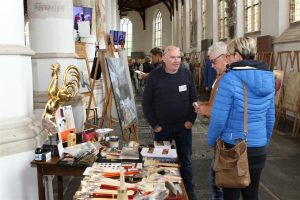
<point x="213" y="61"/>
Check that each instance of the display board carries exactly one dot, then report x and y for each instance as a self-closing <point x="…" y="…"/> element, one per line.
<point x="279" y="76"/>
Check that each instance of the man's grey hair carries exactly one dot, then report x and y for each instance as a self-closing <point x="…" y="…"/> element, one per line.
<point x="218" y="48"/>
<point x="171" y="47"/>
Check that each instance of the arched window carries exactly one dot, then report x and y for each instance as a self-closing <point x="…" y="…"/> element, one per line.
<point x="294" y="11"/>
<point x="252" y="16"/>
<point x="203" y="15"/>
<point x="223" y="20"/>
<point x="126" y="26"/>
<point x="157" y="24"/>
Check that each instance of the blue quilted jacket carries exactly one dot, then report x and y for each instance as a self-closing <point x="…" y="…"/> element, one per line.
<point x="227" y="115"/>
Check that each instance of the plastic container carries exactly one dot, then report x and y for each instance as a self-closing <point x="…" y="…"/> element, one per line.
<point x="71" y="139"/>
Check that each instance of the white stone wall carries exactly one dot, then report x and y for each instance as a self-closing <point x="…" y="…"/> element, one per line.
<point x="143" y="39"/>
<point x="18" y="178"/>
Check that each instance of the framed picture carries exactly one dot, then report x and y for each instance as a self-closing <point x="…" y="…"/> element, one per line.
<point x="118" y="37"/>
<point x="291" y="92"/>
<point x="65" y="122"/>
<point x="82" y="16"/>
<point x="120" y="80"/>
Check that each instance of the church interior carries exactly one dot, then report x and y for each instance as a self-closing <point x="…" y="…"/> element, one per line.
<point x="55" y="44"/>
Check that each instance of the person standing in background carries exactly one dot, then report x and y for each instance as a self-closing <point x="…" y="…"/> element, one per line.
<point x="137" y="65"/>
<point x="156" y="57"/>
<point x="147" y="66"/>
<point x="227" y="115"/>
<point x="167" y="104"/>
<point x="185" y="63"/>
<point x="219" y="60"/>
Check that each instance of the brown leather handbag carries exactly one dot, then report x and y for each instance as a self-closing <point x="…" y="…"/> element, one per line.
<point x="231" y="165"/>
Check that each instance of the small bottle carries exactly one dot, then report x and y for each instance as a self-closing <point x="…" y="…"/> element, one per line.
<point x="71" y="139"/>
<point x="122" y="191"/>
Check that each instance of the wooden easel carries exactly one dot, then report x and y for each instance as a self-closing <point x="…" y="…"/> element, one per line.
<point x="80" y="50"/>
<point x="110" y="49"/>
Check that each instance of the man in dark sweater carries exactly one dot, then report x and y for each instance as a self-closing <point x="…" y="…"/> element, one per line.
<point x="167" y="105"/>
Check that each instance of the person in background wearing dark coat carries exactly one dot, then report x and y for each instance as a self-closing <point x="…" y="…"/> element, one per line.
<point x="147" y="66"/>
<point x="219" y="60"/>
<point x="156" y="57"/>
<point x="168" y="107"/>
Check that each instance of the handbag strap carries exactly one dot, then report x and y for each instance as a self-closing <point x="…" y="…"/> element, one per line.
<point x="245" y="111"/>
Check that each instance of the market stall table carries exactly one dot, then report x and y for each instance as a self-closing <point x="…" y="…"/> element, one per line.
<point x="52" y="168"/>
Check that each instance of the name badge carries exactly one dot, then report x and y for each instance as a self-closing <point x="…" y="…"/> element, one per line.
<point x="182" y="88"/>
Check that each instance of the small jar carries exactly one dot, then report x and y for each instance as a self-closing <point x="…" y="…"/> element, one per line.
<point x="114" y="142"/>
<point x="71" y="139"/>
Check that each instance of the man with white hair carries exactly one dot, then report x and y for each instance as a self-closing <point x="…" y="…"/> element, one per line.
<point x="219" y="60"/>
<point x="167" y="105"/>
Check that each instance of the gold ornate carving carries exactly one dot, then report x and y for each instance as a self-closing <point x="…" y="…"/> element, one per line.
<point x="57" y="96"/>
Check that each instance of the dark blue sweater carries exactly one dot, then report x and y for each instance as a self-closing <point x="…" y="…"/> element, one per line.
<point x="168" y="98"/>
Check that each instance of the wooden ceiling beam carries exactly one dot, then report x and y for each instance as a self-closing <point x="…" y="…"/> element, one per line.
<point x="143" y="16"/>
<point x="170" y="7"/>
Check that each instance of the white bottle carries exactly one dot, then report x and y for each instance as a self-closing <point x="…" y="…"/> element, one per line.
<point x="122" y="191"/>
<point x="71" y="139"/>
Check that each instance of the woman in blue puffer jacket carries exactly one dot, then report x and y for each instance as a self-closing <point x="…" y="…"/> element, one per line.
<point x="227" y="116"/>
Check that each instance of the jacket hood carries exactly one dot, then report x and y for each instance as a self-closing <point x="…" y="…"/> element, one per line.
<point x="252" y="63"/>
<point x="256" y="75"/>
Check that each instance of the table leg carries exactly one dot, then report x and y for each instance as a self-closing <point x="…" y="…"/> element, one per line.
<point x="41" y="188"/>
<point x="60" y="187"/>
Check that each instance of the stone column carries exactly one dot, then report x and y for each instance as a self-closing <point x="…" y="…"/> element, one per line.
<point x="215" y="22"/>
<point x="115" y="14"/>
<point x="179" y="25"/>
<point x="186" y="27"/>
<point x="175" y="24"/>
<point x="212" y="20"/>
<point x="199" y="24"/>
<point x="17" y="131"/>
<point x="240" y="19"/>
<point x="51" y="37"/>
<point x="111" y="15"/>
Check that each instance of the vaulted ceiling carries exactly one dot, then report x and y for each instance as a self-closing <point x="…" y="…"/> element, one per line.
<point x="141" y="7"/>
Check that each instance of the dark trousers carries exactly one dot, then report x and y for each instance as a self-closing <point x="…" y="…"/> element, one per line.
<point x="183" y="141"/>
<point x="216" y="192"/>
<point x="248" y="193"/>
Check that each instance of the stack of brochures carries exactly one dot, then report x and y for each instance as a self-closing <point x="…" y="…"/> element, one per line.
<point x="159" y="153"/>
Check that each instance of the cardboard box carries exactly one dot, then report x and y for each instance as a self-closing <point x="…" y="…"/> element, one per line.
<point x="45" y="156"/>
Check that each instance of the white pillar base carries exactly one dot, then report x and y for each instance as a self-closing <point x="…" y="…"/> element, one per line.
<point x="20" y="135"/>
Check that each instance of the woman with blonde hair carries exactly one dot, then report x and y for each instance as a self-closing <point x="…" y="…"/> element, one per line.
<point x="227" y="115"/>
